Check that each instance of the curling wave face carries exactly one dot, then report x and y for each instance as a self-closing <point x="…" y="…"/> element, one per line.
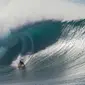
<point x="57" y="53"/>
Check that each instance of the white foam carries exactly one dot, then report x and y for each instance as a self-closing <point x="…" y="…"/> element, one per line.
<point x="18" y="12"/>
<point x="25" y="58"/>
<point x="15" y="63"/>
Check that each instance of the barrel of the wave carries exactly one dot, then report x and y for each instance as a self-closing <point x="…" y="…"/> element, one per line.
<point x="44" y="33"/>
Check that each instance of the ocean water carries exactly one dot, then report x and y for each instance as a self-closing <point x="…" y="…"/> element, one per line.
<point x="50" y="34"/>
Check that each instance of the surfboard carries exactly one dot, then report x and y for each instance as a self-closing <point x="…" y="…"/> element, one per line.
<point x="15" y="63"/>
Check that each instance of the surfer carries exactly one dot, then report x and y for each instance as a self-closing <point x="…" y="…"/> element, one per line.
<point x="21" y="64"/>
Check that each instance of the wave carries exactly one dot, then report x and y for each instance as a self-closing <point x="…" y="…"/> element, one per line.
<point x="57" y="52"/>
<point x="54" y="34"/>
<point x="31" y="38"/>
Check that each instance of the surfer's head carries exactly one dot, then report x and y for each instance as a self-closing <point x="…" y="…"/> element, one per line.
<point x="21" y="62"/>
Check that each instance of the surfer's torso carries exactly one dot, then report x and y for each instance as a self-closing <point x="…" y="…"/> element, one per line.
<point x="21" y="65"/>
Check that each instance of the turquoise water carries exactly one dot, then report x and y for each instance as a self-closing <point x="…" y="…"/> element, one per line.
<point x="57" y="51"/>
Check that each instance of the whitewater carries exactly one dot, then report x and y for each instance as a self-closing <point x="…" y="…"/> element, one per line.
<point x="50" y="34"/>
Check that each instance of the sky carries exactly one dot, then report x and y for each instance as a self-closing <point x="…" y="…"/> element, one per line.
<point x="17" y="12"/>
<point x="3" y="3"/>
<point x="79" y="1"/>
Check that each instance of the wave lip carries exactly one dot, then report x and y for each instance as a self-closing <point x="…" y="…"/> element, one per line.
<point x="15" y="14"/>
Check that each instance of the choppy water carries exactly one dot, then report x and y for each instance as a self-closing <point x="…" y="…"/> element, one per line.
<point x="56" y="46"/>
